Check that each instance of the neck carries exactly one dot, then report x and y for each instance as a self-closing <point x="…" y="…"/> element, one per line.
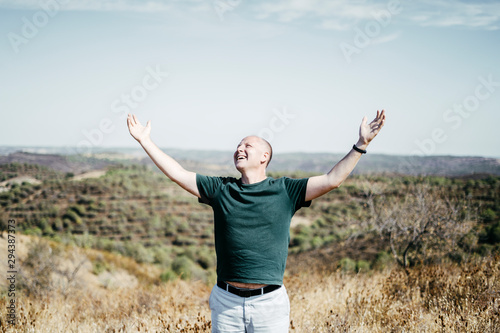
<point x="253" y="177"/>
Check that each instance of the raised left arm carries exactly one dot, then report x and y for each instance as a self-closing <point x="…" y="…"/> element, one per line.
<point x="319" y="185"/>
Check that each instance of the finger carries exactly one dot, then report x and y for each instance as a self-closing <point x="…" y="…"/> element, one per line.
<point x="129" y="121"/>
<point x="148" y="124"/>
<point x="364" y="121"/>
<point x="135" y="119"/>
<point x="379" y="124"/>
<point x="382" y="117"/>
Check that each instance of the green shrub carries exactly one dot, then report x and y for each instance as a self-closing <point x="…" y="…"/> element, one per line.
<point x="43" y="223"/>
<point x="85" y="240"/>
<point x="184" y="267"/>
<point x="33" y="231"/>
<point x="139" y="252"/>
<point x="299" y="240"/>
<point x="181" y="240"/>
<point x="183" y="227"/>
<point x="47" y="231"/>
<point x="167" y="275"/>
<point x="485" y="249"/>
<point x="162" y="256"/>
<point x="206" y="260"/>
<point x="362" y="266"/>
<point x="78" y="209"/>
<point x="347" y="265"/>
<point x="494" y="233"/>
<point x="316" y="242"/>
<point x="99" y="266"/>
<point x="320" y="223"/>
<point x="469" y="241"/>
<point x="72" y="216"/>
<point x="489" y="215"/>
<point x="383" y="261"/>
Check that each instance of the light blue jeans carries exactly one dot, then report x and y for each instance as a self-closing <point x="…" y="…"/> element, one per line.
<point x="263" y="313"/>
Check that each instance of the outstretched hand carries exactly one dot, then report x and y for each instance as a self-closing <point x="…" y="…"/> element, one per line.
<point x="137" y="130"/>
<point x="369" y="131"/>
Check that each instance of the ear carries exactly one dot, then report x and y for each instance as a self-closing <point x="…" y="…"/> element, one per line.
<point x="265" y="158"/>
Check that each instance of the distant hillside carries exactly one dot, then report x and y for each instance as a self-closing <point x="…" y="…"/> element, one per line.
<point x="73" y="164"/>
<point x="409" y="165"/>
<point x="220" y="162"/>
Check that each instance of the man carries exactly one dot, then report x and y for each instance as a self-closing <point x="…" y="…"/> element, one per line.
<point x="252" y="217"/>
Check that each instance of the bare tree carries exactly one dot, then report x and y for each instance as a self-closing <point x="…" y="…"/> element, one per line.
<point x="42" y="272"/>
<point x="425" y="222"/>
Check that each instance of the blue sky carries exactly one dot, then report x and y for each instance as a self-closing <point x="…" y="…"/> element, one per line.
<point x="207" y="73"/>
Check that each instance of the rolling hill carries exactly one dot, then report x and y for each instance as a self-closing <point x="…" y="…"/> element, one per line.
<point x="220" y="162"/>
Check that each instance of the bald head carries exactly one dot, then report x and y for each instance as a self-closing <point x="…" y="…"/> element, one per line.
<point x="265" y="146"/>
<point x="260" y="143"/>
<point x="268" y="148"/>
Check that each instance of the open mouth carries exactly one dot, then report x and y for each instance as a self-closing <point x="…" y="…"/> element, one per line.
<point x="241" y="157"/>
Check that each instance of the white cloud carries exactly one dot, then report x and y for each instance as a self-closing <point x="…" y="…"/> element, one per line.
<point x="479" y="15"/>
<point x="342" y="15"/>
<point x="332" y="14"/>
<point x="323" y="14"/>
<point x="104" y="5"/>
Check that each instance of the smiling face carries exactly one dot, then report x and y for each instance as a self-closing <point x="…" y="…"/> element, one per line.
<point x="252" y="152"/>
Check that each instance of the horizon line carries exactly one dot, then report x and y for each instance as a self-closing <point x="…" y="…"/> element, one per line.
<point x="101" y="149"/>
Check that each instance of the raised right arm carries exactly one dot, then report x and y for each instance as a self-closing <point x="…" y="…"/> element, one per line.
<point x="170" y="167"/>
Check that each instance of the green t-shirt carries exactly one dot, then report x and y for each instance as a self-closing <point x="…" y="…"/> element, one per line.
<point x="252" y="225"/>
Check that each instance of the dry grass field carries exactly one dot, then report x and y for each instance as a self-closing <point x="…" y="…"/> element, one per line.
<point x="444" y="298"/>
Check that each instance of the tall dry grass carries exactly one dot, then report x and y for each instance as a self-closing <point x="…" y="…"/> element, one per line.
<point x="175" y="307"/>
<point x="445" y="298"/>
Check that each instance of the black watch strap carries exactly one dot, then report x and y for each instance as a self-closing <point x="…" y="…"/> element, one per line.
<point x="358" y="149"/>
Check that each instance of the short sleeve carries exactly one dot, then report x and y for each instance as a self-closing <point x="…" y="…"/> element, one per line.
<point x="208" y="187"/>
<point x="296" y="189"/>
